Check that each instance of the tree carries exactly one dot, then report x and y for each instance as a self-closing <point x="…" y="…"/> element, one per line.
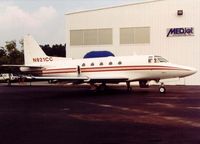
<point x="11" y="55"/>
<point x="2" y="52"/>
<point x="56" y="50"/>
<point x="11" y="46"/>
<point x="14" y="55"/>
<point x="3" y="55"/>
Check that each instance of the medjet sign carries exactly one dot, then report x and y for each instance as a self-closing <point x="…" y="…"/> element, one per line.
<point x="188" y="31"/>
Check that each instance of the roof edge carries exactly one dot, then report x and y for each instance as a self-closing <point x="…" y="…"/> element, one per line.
<point x="121" y="5"/>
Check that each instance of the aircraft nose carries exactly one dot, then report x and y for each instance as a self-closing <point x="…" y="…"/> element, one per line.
<point x="187" y="71"/>
<point x="192" y="71"/>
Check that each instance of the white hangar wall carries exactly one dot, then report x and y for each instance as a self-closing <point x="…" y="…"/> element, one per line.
<point x="145" y="26"/>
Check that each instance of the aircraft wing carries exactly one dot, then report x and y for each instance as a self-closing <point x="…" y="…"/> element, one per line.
<point x="18" y="66"/>
<point x="108" y="80"/>
<point x="58" y="78"/>
<point x="81" y="79"/>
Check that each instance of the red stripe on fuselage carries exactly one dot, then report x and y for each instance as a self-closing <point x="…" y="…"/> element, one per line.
<point x="107" y="69"/>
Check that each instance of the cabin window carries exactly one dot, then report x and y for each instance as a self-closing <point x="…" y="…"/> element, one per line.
<point x="110" y="63"/>
<point x="83" y="64"/>
<point x="119" y="63"/>
<point x="92" y="64"/>
<point x="101" y="63"/>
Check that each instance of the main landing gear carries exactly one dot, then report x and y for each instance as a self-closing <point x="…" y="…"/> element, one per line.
<point x="100" y="87"/>
<point x="129" y="88"/>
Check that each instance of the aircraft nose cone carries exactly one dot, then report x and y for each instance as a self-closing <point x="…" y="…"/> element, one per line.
<point x="187" y="71"/>
<point x="193" y="70"/>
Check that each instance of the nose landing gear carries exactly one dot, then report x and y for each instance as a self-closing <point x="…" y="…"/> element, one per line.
<point x="162" y="88"/>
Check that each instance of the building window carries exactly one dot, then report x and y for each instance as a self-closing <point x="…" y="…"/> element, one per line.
<point x="76" y="37"/>
<point x="91" y="37"/>
<point x="105" y="36"/>
<point x="135" y="35"/>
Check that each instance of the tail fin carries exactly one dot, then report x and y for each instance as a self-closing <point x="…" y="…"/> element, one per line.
<point x="32" y="50"/>
<point x="35" y="56"/>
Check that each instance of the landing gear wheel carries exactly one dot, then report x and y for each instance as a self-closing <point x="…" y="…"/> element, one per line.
<point x="162" y="89"/>
<point x="129" y="89"/>
<point x="101" y="87"/>
<point x="8" y="82"/>
<point x="93" y="87"/>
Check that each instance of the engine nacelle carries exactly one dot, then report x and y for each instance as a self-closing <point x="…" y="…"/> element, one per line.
<point x="25" y="69"/>
<point x="31" y="70"/>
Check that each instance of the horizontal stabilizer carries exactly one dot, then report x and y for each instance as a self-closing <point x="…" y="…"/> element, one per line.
<point x="80" y="78"/>
<point x="21" y="66"/>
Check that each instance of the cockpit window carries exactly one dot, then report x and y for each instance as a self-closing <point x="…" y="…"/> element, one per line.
<point x="156" y="59"/>
<point x="160" y="59"/>
<point x="150" y="59"/>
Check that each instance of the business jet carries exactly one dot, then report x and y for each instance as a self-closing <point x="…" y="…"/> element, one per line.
<point x="100" y="71"/>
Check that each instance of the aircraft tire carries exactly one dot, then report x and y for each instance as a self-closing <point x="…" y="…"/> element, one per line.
<point x="102" y="87"/>
<point x="129" y="89"/>
<point x="49" y="81"/>
<point x="162" y="89"/>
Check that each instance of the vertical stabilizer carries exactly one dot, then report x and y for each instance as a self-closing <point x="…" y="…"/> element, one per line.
<point x="35" y="56"/>
<point x="32" y="51"/>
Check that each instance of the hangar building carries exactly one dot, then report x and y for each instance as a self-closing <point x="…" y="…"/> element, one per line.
<point x="170" y="28"/>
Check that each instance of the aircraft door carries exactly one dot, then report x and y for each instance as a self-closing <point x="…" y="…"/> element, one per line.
<point x="78" y="70"/>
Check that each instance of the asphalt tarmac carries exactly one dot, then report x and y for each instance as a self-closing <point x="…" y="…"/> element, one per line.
<point x="76" y="115"/>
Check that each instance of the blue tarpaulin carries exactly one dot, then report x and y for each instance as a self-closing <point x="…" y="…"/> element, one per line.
<point x="97" y="54"/>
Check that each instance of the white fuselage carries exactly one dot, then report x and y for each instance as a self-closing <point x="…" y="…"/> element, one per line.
<point x="130" y="68"/>
<point x="134" y="68"/>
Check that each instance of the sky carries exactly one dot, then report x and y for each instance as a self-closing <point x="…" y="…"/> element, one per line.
<point x="43" y="19"/>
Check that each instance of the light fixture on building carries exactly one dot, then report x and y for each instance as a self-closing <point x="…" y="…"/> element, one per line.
<point x="179" y="12"/>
